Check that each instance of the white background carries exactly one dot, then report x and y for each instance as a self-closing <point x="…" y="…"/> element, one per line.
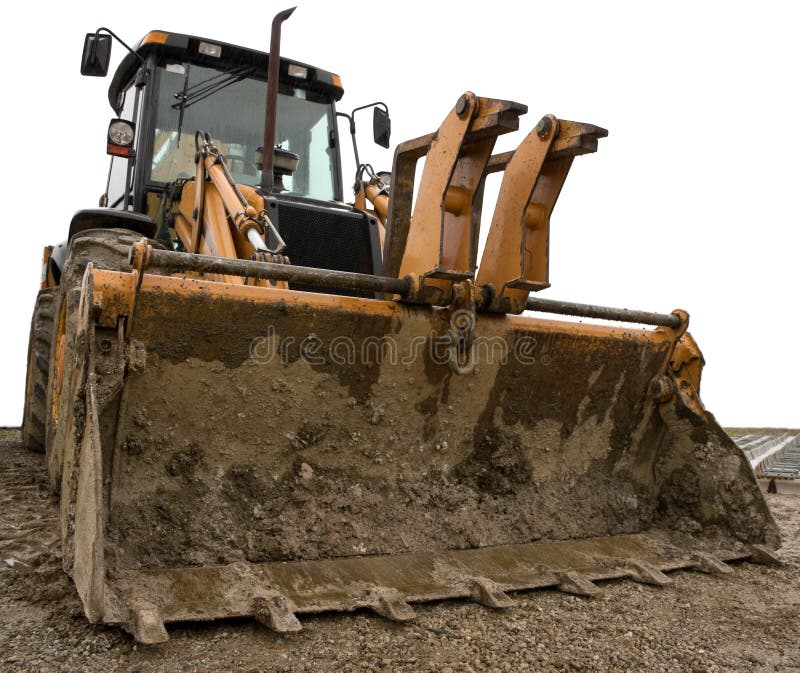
<point x="692" y="200"/>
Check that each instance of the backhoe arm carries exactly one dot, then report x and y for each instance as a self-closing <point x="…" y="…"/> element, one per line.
<point x="218" y="217"/>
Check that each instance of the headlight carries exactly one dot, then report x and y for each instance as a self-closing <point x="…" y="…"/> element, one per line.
<point x="120" y="132"/>
<point x="120" y="138"/>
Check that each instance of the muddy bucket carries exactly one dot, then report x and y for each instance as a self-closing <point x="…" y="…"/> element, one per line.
<point x="241" y="450"/>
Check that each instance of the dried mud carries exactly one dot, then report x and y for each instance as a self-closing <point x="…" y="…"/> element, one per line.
<point x="227" y="458"/>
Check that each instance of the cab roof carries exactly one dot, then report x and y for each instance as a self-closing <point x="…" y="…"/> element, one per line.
<point x="213" y="53"/>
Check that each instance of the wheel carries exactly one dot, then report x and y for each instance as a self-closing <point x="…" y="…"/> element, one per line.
<point x="39" y="345"/>
<point x="106" y="249"/>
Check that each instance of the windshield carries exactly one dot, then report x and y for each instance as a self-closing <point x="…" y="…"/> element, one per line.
<point x="231" y="106"/>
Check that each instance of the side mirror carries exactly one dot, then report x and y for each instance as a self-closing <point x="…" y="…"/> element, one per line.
<point x="381" y="126"/>
<point x="96" y="55"/>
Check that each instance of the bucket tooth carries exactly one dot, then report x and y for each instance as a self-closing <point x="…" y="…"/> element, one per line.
<point x="488" y="593"/>
<point x="764" y="556"/>
<point x="147" y="625"/>
<point x="389" y="603"/>
<point x="706" y="563"/>
<point x="277" y="613"/>
<point x="646" y="573"/>
<point x="572" y="582"/>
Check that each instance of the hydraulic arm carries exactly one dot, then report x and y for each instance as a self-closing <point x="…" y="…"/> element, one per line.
<point x="220" y="218"/>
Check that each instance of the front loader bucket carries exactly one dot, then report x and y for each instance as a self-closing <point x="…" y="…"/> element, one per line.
<point x="243" y="450"/>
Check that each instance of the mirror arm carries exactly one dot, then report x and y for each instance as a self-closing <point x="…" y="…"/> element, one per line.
<point x="375" y="104"/>
<point x="352" y="122"/>
<point x="118" y="39"/>
<point x="351" y="118"/>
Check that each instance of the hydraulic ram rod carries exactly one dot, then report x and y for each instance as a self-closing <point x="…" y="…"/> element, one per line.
<point x="602" y="312"/>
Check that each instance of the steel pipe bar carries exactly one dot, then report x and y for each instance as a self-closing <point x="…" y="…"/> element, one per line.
<point x="172" y="262"/>
<point x="602" y="312"/>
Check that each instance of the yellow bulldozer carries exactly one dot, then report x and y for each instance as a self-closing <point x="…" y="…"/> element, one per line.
<point x="256" y="399"/>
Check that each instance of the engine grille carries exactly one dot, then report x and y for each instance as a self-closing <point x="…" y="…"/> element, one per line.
<point x="327" y="238"/>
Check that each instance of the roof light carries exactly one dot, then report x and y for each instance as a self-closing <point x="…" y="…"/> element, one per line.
<point x="209" y="49"/>
<point x="299" y="71"/>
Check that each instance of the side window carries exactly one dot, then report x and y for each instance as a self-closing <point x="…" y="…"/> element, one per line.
<point x="118" y="170"/>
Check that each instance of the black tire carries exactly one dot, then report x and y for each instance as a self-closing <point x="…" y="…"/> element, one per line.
<point x="39" y="346"/>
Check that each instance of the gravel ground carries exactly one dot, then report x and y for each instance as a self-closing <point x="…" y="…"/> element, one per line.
<point x="747" y="621"/>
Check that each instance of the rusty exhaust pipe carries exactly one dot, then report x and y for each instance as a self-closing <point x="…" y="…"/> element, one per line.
<point x="273" y="74"/>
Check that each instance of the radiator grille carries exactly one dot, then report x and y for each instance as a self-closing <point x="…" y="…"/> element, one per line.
<point x="326" y="239"/>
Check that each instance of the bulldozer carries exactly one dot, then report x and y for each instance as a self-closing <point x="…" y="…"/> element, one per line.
<point x="256" y="399"/>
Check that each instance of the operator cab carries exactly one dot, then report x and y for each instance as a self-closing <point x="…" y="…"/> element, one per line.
<point x="172" y="85"/>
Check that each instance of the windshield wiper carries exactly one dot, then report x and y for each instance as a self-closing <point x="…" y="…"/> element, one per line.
<point x="208" y="87"/>
<point x="182" y="95"/>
